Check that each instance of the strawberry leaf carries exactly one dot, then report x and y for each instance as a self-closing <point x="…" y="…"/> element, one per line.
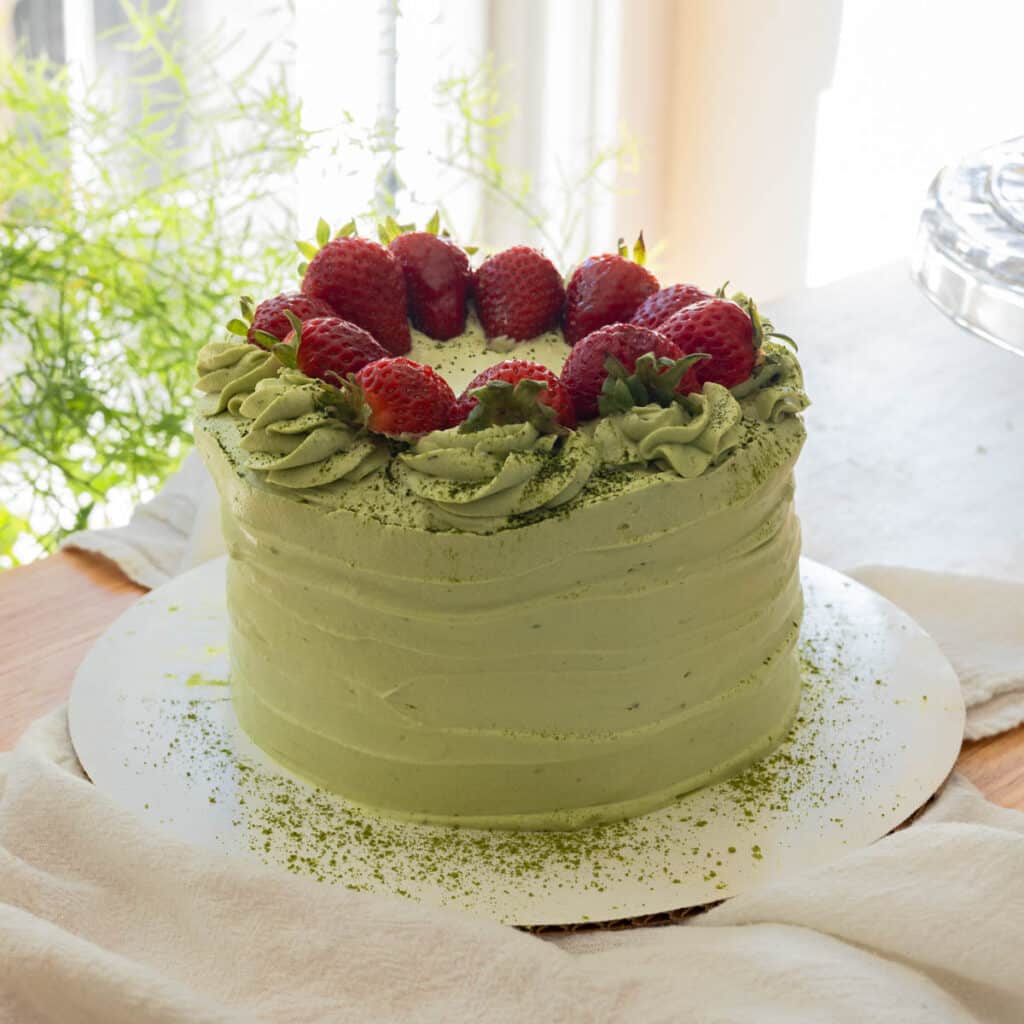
<point x="434" y="224"/>
<point x="302" y="268"/>
<point x="296" y="325"/>
<point x="346" y="230"/>
<point x="287" y="355"/>
<point x="323" y="232"/>
<point x="344" y="400"/>
<point x="640" y="250"/>
<point x="469" y="250"/>
<point x="265" y="340"/>
<point x="237" y="327"/>
<point x="621" y="249"/>
<point x="308" y="249"/>
<point x="499" y="403"/>
<point x="653" y="381"/>
<point x="763" y="327"/>
<point x="248" y="307"/>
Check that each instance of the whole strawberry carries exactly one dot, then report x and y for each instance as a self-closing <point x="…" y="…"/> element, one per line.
<point x="437" y="280"/>
<point x="329" y="348"/>
<point x="519" y="294"/>
<point x="657" y="308"/>
<point x="585" y="370"/>
<point x="269" y="315"/>
<point x="404" y="398"/>
<point x="363" y="282"/>
<point x="606" y="289"/>
<point x="730" y="332"/>
<point x="512" y="371"/>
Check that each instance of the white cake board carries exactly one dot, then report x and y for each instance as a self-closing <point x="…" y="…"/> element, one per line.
<point x="879" y="729"/>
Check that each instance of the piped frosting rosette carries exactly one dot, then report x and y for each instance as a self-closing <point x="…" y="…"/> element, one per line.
<point x="295" y="443"/>
<point x="231" y="370"/>
<point x="686" y="437"/>
<point x="477" y="481"/>
<point x="776" y="387"/>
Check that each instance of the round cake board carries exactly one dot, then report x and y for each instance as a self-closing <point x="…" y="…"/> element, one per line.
<point x="878" y="730"/>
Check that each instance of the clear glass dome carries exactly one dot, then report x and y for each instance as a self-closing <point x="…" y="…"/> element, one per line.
<point x="969" y="252"/>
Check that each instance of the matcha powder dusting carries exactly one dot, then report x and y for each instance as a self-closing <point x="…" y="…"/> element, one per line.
<point x="314" y="833"/>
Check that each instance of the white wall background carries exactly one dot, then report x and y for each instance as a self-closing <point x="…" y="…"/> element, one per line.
<point x="917" y="84"/>
<point x="790" y="142"/>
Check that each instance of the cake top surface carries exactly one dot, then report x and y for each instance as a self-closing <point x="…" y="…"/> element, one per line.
<point x="402" y="385"/>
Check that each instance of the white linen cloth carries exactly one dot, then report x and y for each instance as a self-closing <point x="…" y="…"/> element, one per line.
<point x="979" y="624"/>
<point x="176" y="531"/>
<point x="105" y="919"/>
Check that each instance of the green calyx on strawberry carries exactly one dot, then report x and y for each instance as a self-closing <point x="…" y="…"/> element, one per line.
<point x="519" y="406"/>
<point x="606" y="290"/>
<point x="389" y="229"/>
<point x="362" y="281"/>
<point x="763" y="327"/>
<point x="730" y="331"/>
<point x="654" y="381"/>
<point x="438" y="280"/>
<point x="323" y="236"/>
<point x="327" y="348"/>
<point x="499" y="403"/>
<point x="269" y="319"/>
<point x="393" y="396"/>
<point x="586" y="368"/>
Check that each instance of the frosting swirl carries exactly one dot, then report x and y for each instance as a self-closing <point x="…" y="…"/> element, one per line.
<point x="296" y="443"/>
<point x="687" y="437"/>
<point x="476" y="481"/>
<point x="775" y="389"/>
<point x="232" y="369"/>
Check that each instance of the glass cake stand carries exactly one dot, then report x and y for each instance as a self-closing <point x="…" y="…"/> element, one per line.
<point x="969" y="253"/>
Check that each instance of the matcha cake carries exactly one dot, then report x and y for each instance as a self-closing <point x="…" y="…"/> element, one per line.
<point x="523" y="556"/>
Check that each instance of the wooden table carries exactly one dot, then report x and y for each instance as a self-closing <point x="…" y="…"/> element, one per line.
<point x="53" y="610"/>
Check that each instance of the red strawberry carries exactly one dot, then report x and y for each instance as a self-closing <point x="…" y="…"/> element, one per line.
<point x="584" y="371"/>
<point x="606" y="290"/>
<point x="437" y="279"/>
<point x="657" y="308"/>
<point x="512" y="371"/>
<point x="405" y="397"/>
<point x="330" y="348"/>
<point x="363" y="282"/>
<point x="722" y="329"/>
<point x="269" y="315"/>
<point x="519" y="293"/>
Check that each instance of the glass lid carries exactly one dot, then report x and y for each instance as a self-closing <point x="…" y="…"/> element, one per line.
<point x="969" y="252"/>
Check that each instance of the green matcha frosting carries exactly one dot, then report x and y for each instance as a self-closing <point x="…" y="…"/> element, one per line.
<point x="775" y="389"/>
<point x="296" y="443"/>
<point x="686" y="437"/>
<point x="477" y="480"/>
<point x="231" y="370"/>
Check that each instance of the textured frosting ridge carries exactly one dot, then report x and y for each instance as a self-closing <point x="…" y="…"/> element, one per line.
<point x="687" y="437"/>
<point x="474" y="480"/>
<point x="296" y="443"/>
<point x="776" y="387"/>
<point x="231" y="370"/>
<point x="548" y="675"/>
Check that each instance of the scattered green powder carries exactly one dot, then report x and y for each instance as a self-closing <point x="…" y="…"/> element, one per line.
<point x="198" y="679"/>
<point x="311" y="832"/>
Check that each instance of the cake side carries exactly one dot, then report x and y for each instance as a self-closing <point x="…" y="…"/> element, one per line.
<point x="580" y="668"/>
